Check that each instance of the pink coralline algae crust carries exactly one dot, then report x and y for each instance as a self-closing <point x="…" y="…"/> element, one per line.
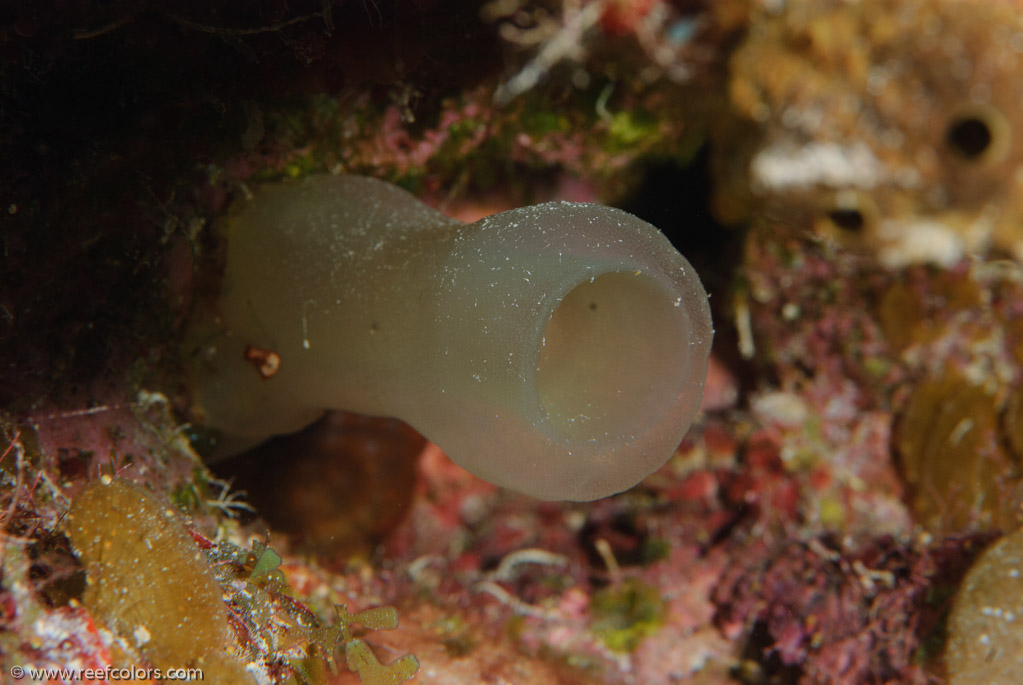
<point x="833" y="616"/>
<point x="895" y="406"/>
<point x="908" y="381"/>
<point x="812" y="327"/>
<point x="812" y="310"/>
<point x="718" y="543"/>
<point x="394" y="144"/>
<point x="65" y="638"/>
<point x="462" y="141"/>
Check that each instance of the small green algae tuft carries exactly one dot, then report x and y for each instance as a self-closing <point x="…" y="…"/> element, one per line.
<point x="626" y="614"/>
<point x="358" y="655"/>
<point x="278" y="629"/>
<point x="372" y="672"/>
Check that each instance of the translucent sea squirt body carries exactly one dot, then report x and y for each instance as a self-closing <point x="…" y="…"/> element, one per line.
<point x="559" y="350"/>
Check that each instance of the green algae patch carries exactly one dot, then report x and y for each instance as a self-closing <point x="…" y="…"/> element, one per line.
<point x="630" y="128"/>
<point x="149" y="582"/>
<point x="627" y="613"/>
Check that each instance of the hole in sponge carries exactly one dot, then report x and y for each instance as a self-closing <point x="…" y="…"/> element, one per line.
<point x="969" y="137"/>
<point x="611" y="370"/>
<point x="850" y="220"/>
<point x="979" y="134"/>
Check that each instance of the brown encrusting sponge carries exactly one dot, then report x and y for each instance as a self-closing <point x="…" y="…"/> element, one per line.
<point x="182" y="601"/>
<point x="149" y="582"/>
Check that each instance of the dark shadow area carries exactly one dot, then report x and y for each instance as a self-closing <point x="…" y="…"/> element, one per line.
<point x="337" y="487"/>
<point x="114" y="117"/>
<point x="674" y="197"/>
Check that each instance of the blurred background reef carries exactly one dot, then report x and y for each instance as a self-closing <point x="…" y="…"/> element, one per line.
<point x="846" y="178"/>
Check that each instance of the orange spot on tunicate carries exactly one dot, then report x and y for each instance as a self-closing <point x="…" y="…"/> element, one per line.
<point x="267" y="362"/>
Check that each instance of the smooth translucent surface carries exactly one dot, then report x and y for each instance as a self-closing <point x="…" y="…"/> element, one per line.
<point x="602" y="369"/>
<point x="559" y="350"/>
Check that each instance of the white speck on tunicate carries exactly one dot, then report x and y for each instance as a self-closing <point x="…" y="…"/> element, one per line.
<point x="305" y="326"/>
<point x="678" y="302"/>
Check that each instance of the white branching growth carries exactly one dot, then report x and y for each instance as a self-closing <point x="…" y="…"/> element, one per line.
<point x="553" y="38"/>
